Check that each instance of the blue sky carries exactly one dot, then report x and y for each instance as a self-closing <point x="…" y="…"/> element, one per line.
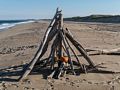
<point x="23" y="9"/>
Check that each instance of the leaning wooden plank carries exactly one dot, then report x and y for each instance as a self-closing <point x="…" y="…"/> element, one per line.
<point x="37" y="55"/>
<point x="80" y="49"/>
<point x="51" y="34"/>
<point x="60" y="22"/>
<point x="74" y="53"/>
<point x="50" y="37"/>
<point x="60" y="49"/>
<point x="65" y="44"/>
<point x="64" y="50"/>
<point x="52" y="22"/>
<point x="68" y="31"/>
<point x="53" y="48"/>
<point x="60" y="26"/>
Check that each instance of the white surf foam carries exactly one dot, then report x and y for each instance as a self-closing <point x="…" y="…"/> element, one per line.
<point x="8" y="25"/>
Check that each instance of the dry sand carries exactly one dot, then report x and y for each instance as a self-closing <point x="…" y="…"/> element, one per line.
<point x="18" y="45"/>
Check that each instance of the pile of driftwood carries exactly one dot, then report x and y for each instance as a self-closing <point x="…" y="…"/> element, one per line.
<point x="60" y="59"/>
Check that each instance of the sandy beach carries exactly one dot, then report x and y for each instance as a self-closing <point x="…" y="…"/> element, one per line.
<point x="19" y="44"/>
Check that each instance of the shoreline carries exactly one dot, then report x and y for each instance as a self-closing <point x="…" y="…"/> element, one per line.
<point x="7" y="25"/>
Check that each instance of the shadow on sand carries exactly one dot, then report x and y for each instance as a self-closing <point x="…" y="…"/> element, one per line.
<point x="12" y="74"/>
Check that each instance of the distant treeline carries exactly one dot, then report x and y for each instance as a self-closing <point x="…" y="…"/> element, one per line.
<point x="96" y="18"/>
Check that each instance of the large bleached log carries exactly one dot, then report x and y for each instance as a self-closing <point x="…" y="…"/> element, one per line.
<point x="104" y="51"/>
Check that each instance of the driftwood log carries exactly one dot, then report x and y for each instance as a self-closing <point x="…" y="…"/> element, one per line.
<point x="104" y="51"/>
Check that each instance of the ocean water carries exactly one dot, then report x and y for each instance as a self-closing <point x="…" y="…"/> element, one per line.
<point x="4" y="24"/>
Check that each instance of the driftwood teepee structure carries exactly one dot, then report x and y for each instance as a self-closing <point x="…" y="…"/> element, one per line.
<point x="60" y="50"/>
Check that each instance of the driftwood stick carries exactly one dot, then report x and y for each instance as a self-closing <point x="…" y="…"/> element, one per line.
<point x="51" y="34"/>
<point x="59" y="47"/>
<point x="74" y="53"/>
<point x="52" y="55"/>
<point x="69" y="32"/>
<point x="60" y="22"/>
<point x="65" y="44"/>
<point x="80" y="49"/>
<point x="60" y="26"/>
<point x="38" y="54"/>
<point x="61" y="67"/>
<point x="51" y="59"/>
<point x="84" y="68"/>
<point x="64" y="51"/>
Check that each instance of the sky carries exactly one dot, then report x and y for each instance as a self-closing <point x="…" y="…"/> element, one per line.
<point x="40" y="9"/>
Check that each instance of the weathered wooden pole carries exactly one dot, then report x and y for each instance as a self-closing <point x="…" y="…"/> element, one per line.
<point x="60" y="27"/>
<point x="80" y="49"/>
<point x="28" y="69"/>
<point x="74" y="53"/>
